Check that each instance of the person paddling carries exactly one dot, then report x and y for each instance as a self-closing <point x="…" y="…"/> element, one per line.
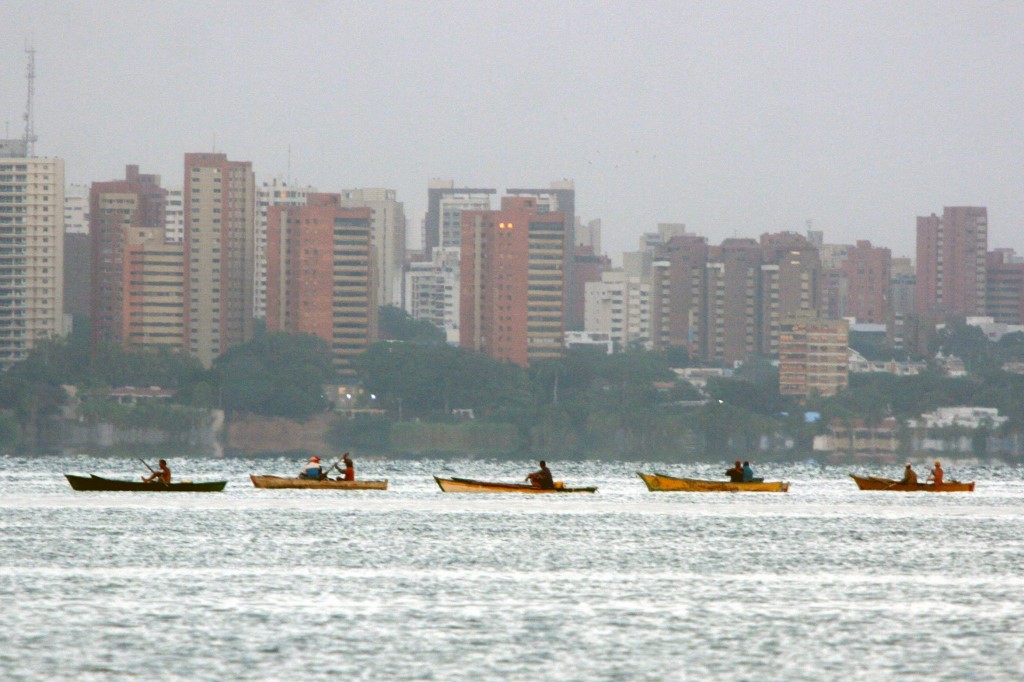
<point x="937" y="474"/>
<point x="736" y="473"/>
<point x="312" y="470"/>
<point x="161" y="475"/>
<point x="542" y="478"/>
<point x="349" y="472"/>
<point x="909" y="475"/>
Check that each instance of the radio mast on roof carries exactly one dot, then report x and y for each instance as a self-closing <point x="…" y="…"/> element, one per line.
<point x="30" y="135"/>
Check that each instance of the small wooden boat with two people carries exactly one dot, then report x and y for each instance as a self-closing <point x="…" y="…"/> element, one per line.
<point x="98" y="483"/>
<point x="876" y="483"/>
<point x="465" y="485"/>
<point x="313" y="484"/>
<point x="662" y="483"/>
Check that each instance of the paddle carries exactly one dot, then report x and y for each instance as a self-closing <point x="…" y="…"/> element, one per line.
<point x="328" y="470"/>
<point x="148" y="467"/>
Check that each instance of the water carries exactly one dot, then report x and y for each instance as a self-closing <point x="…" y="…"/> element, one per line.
<point x="824" y="582"/>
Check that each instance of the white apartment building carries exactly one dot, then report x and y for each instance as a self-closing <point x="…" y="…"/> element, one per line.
<point x="174" y="216"/>
<point x="31" y="253"/>
<point x="619" y="305"/>
<point x="451" y="208"/>
<point x="387" y="238"/>
<point x="76" y="209"/>
<point x="275" y="192"/>
<point x="432" y="291"/>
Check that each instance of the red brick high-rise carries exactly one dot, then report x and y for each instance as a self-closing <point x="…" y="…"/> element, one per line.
<point x="115" y="207"/>
<point x="319" y="274"/>
<point x="679" y="293"/>
<point x="1004" y="294"/>
<point x="951" y="253"/>
<point x="513" y="281"/>
<point x="868" y="271"/>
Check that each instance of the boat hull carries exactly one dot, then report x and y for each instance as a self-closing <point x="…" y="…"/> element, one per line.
<point x="98" y="483"/>
<point x="663" y="483"/>
<point x="876" y="483"/>
<point x="309" y="484"/>
<point x="465" y="485"/>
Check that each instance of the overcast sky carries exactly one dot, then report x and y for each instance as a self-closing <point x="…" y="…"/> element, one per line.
<point x="734" y="118"/>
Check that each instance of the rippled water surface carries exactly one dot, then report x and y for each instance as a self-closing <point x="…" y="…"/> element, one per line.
<point x="824" y="582"/>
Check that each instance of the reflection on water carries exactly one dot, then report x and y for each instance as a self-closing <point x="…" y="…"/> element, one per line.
<point x="824" y="582"/>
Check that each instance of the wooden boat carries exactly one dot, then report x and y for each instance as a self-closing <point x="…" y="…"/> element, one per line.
<point x="465" y="485"/>
<point x="93" y="482"/>
<point x="876" y="483"/>
<point x="308" y="483"/>
<point x="662" y="483"/>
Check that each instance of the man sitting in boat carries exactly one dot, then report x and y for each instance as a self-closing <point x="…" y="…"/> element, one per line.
<point x="748" y="473"/>
<point x="937" y="474"/>
<point x="313" y="470"/>
<point x="909" y="475"/>
<point x="163" y="475"/>
<point x="349" y="472"/>
<point x="736" y="473"/>
<point x="542" y="478"/>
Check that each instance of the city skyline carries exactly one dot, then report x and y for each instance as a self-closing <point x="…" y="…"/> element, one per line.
<point x="736" y="119"/>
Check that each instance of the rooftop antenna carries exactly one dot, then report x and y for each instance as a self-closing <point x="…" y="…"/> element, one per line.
<point x="30" y="134"/>
<point x="289" y="176"/>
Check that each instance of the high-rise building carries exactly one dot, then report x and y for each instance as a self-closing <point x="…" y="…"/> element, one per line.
<point x="76" y="209"/>
<point x="432" y="290"/>
<point x="619" y="306"/>
<point x="445" y="204"/>
<point x="733" y="295"/>
<point x="513" y="281"/>
<point x="220" y="227"/>
<point x="154" y="293"/>
<point x="951" y="253"/>
<point x="174" y="216"/>
<point x="1004" y="296"/>
<point x="77" y="253"/>
<point x="813" y="356"/>
<point x="116" y="207"/>
<point x="588" y="266"/>
<point x="275" y="192"/>
<point x="388" y="235"/>
<point x="868" y="271"/>
<point x="320" y="278"/>
<point x="790" y="286"/>
<point x="31" y="250"/>
<point x="560" y="197"/>
<point x="679" y="294"/>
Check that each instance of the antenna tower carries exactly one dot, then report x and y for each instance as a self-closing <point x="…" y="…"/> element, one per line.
<point x="30" y="74"/>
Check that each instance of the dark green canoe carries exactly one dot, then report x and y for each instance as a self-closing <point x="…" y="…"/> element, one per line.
<point x="93" y="482"/>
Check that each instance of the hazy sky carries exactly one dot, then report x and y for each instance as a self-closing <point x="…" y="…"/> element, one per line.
<point x="735" y="118"/>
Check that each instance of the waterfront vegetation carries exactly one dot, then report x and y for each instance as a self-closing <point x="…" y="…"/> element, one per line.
<point x="422" y="396"/>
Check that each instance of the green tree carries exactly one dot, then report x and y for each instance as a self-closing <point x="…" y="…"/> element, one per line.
<point x="276" y="374"/>
<point x="396" y="324"/>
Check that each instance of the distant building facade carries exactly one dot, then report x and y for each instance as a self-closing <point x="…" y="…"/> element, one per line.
<point x="274" y="192"/>
<point x="513" y="281"/>
<point x="219" y="250"/>
<point x="813" y="357"/>
<point x="31" y="251"/>
<point x="388" y="236"/>
<point x="117" y="208"/>
<point x="951" y="261"/>
<point x="320" y="275"/>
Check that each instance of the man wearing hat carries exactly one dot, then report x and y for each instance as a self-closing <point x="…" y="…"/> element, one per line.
<point x="313" y="469"/>
<point x="909" y="476"/>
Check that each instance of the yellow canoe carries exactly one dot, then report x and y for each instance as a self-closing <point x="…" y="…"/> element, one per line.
<point x="465" y="485"/>
<point x="663" y="483"/>
<point x="308" y="483"/>
<point x="876" y="483"/>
